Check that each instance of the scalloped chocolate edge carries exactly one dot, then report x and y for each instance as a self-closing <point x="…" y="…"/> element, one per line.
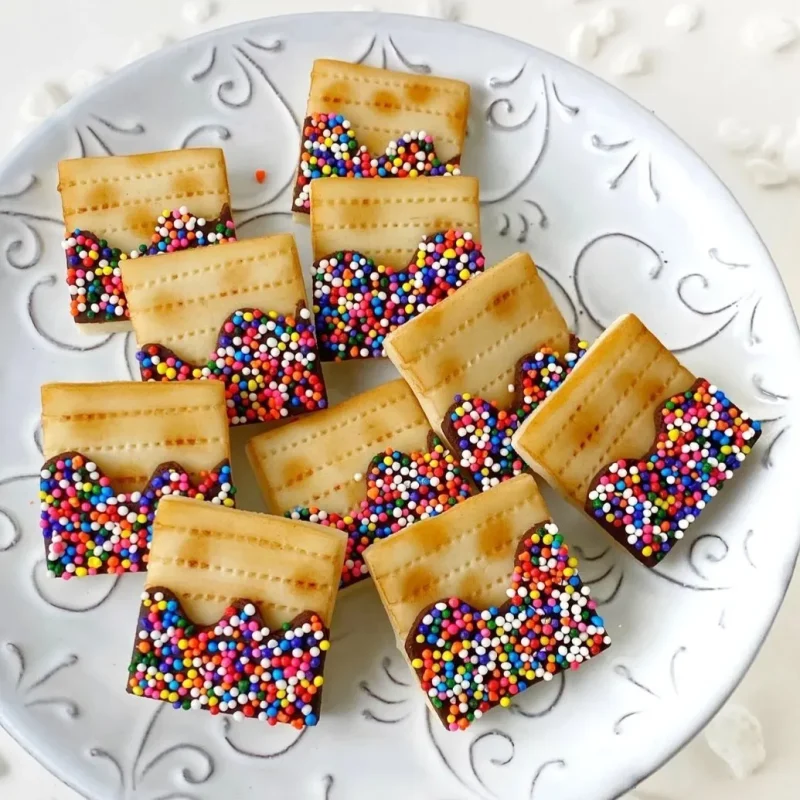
<point x="237" y="604"/>
<point x="316" y="370"/>
<point x="410" y="646"/>
<point x="225" y="214"/>
<point x="305" y="212"/>
<point x="172" y="466"/>
<point x="449" y="429"/>
<point x="618" y="534"/>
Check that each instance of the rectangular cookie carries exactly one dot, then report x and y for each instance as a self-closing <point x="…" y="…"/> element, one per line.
<point x="386" y="250"/>
<point x="112" y="450"/>
<point x="367" y="122"/>
<point x="480" y="361"/>
<point x="190" y="310"/>
<point x="479" y="563"/>
<point x="262" y="586"/>
<point x="636" y="440"/>
<point x="121" y="207"/>
<point x="337" y="467"/>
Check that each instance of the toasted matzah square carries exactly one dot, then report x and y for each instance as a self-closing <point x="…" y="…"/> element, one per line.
<point x="468" y="565"/>
<point x="481" y="360"/>
<point x="343" y="467"/>
<point x="380" y="107"/>
<point x="250" y="586"/>
<point x="605" y="420"/>
<point x="119" y="199"/>
<point x="124" y="443"/>
<point x="384" y="252"/>
<point x="190" y="309"/>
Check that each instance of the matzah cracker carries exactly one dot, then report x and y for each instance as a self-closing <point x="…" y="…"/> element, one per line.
<point x="112" y="450"/>
<point x="368" y="466"/>
<point x="481" y="361"/>
<point x="121" y="207"/>
<point x="205" y="314"/>
<point x="493" y="565"/>
<point x="237" y="609"/>
<point x="384" y="252"/>
<point x="636" y="440"/>
<point x="367" y="122"/>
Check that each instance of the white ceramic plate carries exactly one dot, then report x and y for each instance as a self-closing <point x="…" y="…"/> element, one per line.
<point x="623" y="217"/>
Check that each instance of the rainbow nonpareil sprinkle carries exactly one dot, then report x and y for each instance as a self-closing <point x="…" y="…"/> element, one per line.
<point x="648" y="503"/>
<point x="90" y="529"/>
<point x="94" y="275"/>
<point x="238" y="666"/>
<point x="480" y="431"/>
<point x="401" y="489"/>
<point x="331" y="150"/>
<point x="468" y="660"/>
<point x="357" y="303"/>
<point x="267" y="361"/>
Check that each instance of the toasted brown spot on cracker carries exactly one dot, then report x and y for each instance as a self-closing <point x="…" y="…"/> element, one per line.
<point x="141" y="220"/>
<point x="101" y="196"/>
<point x="335" y="92"/>
<point x="449" y="366"/>
<point x="187" y="185"/>
<point x="388" y="102"/>
<point x="305" y="579"/>
<point x="416" y="581"/>
<point x="494" y="537"/>
<point x="469" y="588"/>
<point x="418" y="93"/>
<point x="437" y="536"/>
<point x="194" y="550"/>
<point x="504" y="304"/>
<point x="295" y="469"/>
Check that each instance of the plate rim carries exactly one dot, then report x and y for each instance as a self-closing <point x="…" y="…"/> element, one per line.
<point x="688" y="151"/>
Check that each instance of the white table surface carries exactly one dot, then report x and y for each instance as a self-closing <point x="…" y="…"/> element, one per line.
<point x="726" y="87"/>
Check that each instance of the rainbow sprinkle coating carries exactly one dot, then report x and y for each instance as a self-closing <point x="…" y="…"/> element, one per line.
<point x="401" y="490"/>
<point x="331" y="150"/>
<point x="469" y="661"/>
<point x="481" y="432"/>
<point x="357" y="303"/>
<point x="267" y="361"/>
<point x="89" y="529"/>
<point x="237" y="666"/>
<point x="647" y="503"/>
<point x="94" y="276"/>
